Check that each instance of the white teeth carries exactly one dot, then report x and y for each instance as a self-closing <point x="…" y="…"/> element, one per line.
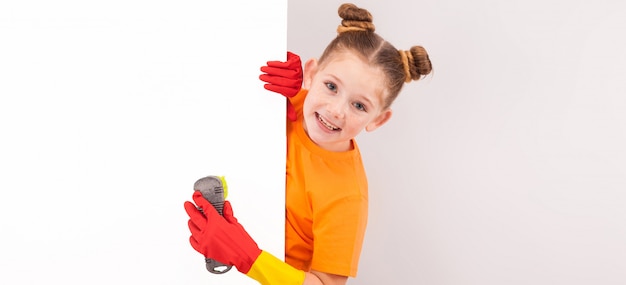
<point x="326" y="124"/>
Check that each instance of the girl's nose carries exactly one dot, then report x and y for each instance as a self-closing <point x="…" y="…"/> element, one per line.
<point x="337" y="108"/>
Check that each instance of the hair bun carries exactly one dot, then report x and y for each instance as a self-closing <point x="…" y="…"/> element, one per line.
<point x="355" y="19"/>
<point x="416" y="63"/>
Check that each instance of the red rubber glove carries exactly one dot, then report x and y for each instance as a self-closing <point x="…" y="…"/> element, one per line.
<point x="285" y="78"/>
<point x="220" y="237"/>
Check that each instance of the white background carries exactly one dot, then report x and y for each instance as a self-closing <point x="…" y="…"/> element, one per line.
<point x="508" y="164"/>
<point x="110" y="111"/>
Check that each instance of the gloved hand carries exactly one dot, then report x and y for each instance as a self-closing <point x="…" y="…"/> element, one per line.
<point x="220" y="237"/>
<point x="285" y="78"/>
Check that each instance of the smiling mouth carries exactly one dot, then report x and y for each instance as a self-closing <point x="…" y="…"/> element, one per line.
<point x="328" y="125"/>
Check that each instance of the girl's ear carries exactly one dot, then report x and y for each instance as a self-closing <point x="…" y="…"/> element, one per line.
<point x="380" y="120"/>
<point x="310" y="68"/>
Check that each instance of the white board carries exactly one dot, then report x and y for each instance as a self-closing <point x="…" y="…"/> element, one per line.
<point x="110" y="111"/>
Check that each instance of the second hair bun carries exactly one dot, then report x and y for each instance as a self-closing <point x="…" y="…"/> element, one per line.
<point x="355" y="18"/>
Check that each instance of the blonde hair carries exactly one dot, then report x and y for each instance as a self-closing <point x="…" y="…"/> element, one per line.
<point x="357" y="33"/>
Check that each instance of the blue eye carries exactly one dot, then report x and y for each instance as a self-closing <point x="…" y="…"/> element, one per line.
<point x="359" y="106"/>
<point x="331" y="86"/>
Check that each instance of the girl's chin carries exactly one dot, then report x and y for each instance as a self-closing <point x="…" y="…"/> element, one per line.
<point x="323" y="141"/>
<point x="334" y="146"/>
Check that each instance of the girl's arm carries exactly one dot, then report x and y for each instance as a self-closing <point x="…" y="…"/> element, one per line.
<point x="223" y="238"/>
<point x="323" y="278"/>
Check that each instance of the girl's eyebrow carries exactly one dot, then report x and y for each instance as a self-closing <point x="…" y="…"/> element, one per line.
<point x="335" y="78"/>
<point x="367" y="100"/>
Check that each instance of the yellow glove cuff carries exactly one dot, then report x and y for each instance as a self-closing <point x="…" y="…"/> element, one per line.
<point x="269" y="270"/>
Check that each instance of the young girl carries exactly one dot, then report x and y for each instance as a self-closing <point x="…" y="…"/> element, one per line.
<point x="348" y="90"/>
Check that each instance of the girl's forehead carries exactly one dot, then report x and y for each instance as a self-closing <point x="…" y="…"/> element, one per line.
<point x="345" y="55"/>
<point x="352" y="63"/>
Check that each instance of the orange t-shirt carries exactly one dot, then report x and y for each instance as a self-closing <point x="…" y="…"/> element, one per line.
<point x="326" y="200"/>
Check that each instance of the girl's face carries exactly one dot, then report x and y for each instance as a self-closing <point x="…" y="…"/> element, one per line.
<point x="345" y="97"/>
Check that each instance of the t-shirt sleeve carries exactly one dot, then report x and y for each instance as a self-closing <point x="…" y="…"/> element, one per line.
<point x="339" y="229"/>
<point x="298" y="100"/>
